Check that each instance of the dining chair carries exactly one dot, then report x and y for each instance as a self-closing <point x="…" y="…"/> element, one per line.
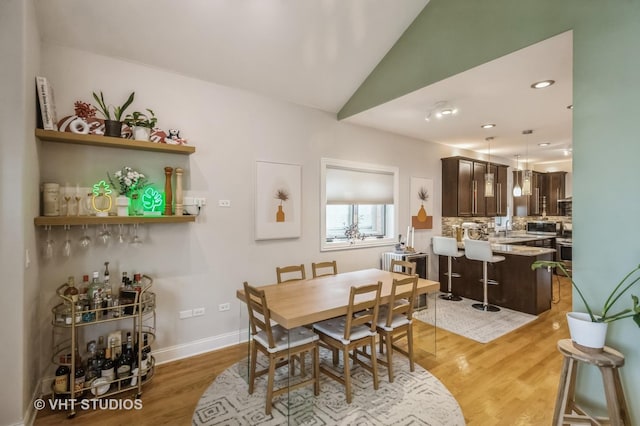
<point x="403" y="267"/>
<point x="279" y="345"/>
<point x="324" y="265"/>
<point x="395" y="321"/>
<point x="353" y="331"/>
<point x="294" y="269"/>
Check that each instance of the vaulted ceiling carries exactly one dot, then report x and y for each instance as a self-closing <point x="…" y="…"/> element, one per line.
<point x="317" y="53"/>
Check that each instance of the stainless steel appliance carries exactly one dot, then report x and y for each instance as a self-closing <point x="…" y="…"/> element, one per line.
<point x="564" y="246"/>
<point x="544" y="227"/>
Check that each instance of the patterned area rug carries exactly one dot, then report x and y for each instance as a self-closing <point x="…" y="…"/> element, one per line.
<point x="416" y="398"/>
<point x="460" y="318"/>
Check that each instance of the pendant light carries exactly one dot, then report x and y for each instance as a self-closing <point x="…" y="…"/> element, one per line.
<point x="527" y="176"/>
<point x="517" y="190"/>
<point x="489" y="178"/>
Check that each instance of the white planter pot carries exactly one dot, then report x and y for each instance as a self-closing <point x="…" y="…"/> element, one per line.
<point x="141" y="133"/>
<point x="585" y="332"/>
<point x="122" y="202"/>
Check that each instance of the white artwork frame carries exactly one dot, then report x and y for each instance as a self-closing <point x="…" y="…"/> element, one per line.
<point x="272" y="177"/>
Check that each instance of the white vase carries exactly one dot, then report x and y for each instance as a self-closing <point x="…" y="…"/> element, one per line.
<point x="585" y="332"/>
<point x="122" y="202"/>
<point x="141" y="133"/>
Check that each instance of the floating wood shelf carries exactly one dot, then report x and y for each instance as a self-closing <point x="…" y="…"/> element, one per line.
<point x="109" y="220"/>
<point x="111" y="142"/>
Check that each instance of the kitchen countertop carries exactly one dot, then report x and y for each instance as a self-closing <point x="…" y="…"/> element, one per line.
<point x="508" y="245"/>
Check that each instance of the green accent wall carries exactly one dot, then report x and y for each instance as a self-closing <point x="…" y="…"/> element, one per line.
<point x="451" y="36"/>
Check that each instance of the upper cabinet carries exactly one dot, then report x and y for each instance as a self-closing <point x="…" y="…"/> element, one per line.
<point x="546" y="190"/>
<point x="463" y="192"/>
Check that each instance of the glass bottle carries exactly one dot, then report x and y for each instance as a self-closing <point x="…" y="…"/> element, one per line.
<point x="61" y="383"/>
<point x="71" y="291"/>
<point x="108" y="367"/>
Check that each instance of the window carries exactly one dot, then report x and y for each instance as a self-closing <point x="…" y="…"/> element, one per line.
<point x="358" y="204"/>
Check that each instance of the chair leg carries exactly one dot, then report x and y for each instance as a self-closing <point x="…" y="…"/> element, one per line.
<point x="485" y="306"/>
<point x="412" y="366"/>
<point x="270" y="380"/>
<point x="374" y="363"/>
<point x="252" y="366"/>
<point x="316" y="370"/>
<point x="347" y="374"/>
<point x="389" y="340"/>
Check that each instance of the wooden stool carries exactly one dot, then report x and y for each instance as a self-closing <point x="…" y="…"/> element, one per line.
<point x="608" y="362"/>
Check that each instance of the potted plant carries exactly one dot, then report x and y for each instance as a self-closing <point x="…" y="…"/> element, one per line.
<point x="141" y="123"/>
<point x="588" y="330"/>
<point x="127" y="182"/>
<point x="112" y="124"/>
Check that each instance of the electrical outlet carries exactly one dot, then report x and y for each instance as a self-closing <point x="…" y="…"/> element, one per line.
<point x="198" y="312"/>
<point x="186" y="314"/>
<point x="224" y="307"/>
<point x="224" y="203"/>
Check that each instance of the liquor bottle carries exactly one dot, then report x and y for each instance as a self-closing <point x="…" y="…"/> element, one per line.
<point x="100" y="351"/>
<point x="78" y="383"/>
<point x="71" y="291"/>
<point x="137" y="283"/>
<point x="108" y="366"/>
<point x="61" y="383"/>
<point x="95" y="285"/>
<point x="84" y="287"/>
<point x="144" y="360"/>
<point x="124" y="363"/>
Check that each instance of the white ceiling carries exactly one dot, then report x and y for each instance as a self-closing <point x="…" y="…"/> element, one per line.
<point x="317" y="53"/>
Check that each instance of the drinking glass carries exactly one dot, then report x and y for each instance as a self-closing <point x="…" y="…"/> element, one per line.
<point x="105" y="235"/>
<point x="66" y="248"/>
<point x="136" y="241"/>
<point x="121" y="236"/>
<point x="85" y="241"/>
<point x="49" y="244"/>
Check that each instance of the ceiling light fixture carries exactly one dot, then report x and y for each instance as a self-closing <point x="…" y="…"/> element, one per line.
<point x="542" y="84"/>
<point x="517" y="190"/>
<point x="489" y="178"/>
<point x="528" y="175"/>
<point x="441" y="109"/>
<point x="543" y="144"/>
<point x="488" y="126"/>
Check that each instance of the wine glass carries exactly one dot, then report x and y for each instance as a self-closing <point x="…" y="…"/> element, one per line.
<point x="66" y="248"/>
<point x="121" y="236"/>
<point x="49" y="244"/>
<point x="136" y="241"/>
<point x="105" y="234"/>
<point x="85" y="241"/>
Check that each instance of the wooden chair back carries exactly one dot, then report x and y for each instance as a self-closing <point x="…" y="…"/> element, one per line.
<point x="403" y="290"/>
<point x="363" y="301"/>
<point x="324" y="265"/>
<point x="259" y="316"/>
<point x="280" y="271"/>
<point x="403" y="267"/>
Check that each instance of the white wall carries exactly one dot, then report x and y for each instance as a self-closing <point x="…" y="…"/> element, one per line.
<point x="19" y="48"/>
<point x="203" y="264"/>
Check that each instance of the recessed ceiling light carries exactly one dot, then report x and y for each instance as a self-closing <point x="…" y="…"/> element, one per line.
<point x="544" y="144"/>
<point x="542" y="84"/>
<point x="488" y="126"/>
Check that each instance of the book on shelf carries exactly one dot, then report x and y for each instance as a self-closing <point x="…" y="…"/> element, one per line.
<point x="46" y="104"/>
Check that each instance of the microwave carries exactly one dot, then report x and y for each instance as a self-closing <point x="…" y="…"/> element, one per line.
<point x="544" y="227"/>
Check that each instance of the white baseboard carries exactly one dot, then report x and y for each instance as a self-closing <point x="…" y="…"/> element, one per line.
<point x="197" y="347"/>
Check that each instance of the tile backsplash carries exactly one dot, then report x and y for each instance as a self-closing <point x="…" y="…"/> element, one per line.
<point x="517" y="224"/>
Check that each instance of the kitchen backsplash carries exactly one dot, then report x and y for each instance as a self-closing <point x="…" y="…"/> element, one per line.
<point x="518" y="224"/>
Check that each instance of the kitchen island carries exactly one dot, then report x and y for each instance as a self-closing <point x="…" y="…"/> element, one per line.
<point x="519" y="288"/>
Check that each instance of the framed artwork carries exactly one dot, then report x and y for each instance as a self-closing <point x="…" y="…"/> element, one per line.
<point x="421" y="206"/>
<point x="278" y="208"/>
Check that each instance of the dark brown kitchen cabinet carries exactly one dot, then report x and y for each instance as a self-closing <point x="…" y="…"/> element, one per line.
<point x="555" y="190"/>
<point x="529" y="205"/>
<point x="463" y="188"/>
<point x="546" y="190"/>
<point x="497" y="205"/>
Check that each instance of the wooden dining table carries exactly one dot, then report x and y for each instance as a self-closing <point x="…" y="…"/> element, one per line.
<point x="303" y="302"/>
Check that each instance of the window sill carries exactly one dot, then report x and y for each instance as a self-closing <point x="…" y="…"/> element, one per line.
<point x="358" y="244"/>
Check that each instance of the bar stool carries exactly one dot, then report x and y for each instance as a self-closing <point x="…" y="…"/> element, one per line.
<point x="445" y="246"/>
<point x="481" y="250"/>
<point x="608" y="361"/>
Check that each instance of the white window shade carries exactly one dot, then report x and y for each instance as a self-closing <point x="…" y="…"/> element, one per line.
<point x="352" y="186"/>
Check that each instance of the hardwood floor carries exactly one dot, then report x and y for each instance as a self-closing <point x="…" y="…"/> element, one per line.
<point x="510" y="381"/>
